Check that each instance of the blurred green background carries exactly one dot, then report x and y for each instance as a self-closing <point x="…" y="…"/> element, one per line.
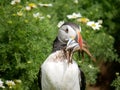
<point x="29" y="27"/>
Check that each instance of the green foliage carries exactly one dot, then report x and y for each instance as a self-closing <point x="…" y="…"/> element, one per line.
<point x="26" y="37"/>
<point x="90" y="71"/>
<point x="24" y="42"/>
<point x="116" y="83"/>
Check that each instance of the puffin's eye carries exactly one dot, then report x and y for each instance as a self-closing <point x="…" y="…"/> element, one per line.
<point x="66" y="30"/>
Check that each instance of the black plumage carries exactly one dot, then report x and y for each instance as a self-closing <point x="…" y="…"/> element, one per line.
<point x="57" y="45"/>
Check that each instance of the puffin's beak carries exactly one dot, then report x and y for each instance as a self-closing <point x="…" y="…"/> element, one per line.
<point x="78" y="45"/>
<point x="79" y="40"/>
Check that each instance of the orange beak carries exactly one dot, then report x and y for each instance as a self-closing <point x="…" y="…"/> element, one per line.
<point x="80" y="41"/>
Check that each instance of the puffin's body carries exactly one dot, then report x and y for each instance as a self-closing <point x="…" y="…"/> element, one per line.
<point x="57" y="73"/>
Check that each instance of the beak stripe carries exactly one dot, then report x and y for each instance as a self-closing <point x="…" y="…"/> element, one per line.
<point x="80" y="39"/>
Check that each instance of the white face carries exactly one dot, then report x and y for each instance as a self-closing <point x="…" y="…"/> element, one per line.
<point x="65" y="33"/>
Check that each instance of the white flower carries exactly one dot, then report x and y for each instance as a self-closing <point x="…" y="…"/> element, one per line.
<point x="1" y="84"/>
<point x="90" y="66"/>
<point x="48" y="16"/>
<point x="117" y="73"/>
<point x="36" y="15"/>
<point x="45" y="5"/>
<point x="19" y="13"/>
<point x="28" y="8"/>
<point x="60" y="24"/>
<point x="17" y="1"/>
<point x="13" y="2"/>
<point x="94" y="25"/>
<point x="100" y="21"/>
<point x="76" y="1"/>
<point x="41" y="17"/>
<point x="90" y="23"/>
<point x="10" y="83"/>
<point x="74" y="16"/>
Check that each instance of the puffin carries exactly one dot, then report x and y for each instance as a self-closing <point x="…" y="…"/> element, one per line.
<point x="60" y="71"/>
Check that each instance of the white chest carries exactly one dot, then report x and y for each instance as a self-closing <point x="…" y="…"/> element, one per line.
<point x="59" y="75"/>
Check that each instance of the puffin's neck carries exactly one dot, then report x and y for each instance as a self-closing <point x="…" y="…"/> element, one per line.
<point x="57" y="45"/>
<point x="59" y="55"/>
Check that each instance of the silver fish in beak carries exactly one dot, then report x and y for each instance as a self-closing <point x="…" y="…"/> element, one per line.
<point x="73" y="46"/>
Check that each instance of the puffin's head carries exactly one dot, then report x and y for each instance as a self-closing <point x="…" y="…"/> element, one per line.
<point x="69" y="34"/>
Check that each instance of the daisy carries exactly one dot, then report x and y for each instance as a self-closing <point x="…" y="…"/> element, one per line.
<point x="74" y="16"/>
<point x="48" y="16"/>
<point x="90" y="66"/>
<point x="41" y="17"/>
<point x="30" y="6"/>
<point x="75" y="1"/>
<point x="1" y="84"/>
<point x="19" y="13"/>
<point x="94" y="25"/>
<point x="100" y="21"/>
<point x="36" y="15"/>
<point x="117" y="73"/>
<point x="13" y="2"/>
<point x="60" y="24"/>
<point x="10" y="83"/>
<point x="45" y="5"/>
